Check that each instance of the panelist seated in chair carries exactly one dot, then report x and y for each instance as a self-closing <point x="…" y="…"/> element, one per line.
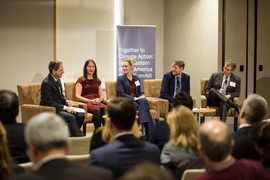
<point x="129" y="85"/>
<point x="88" y="90"/>
<point x="174" y="82"/>
<point x="222" y="88"/>
<point x="51" y="95"/>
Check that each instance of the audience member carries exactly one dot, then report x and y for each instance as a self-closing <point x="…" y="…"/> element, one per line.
<point x="174" y="82"/>
<point x="125" y="151"/>
<point x="128" y="85"/>
<point x="180" y="153"/>
<point x="88" y="90"/>
<point x="9" y="110"/>
<point x="51" y="95"/>
<point x="103" y="135"/>
<point x="147" y="171"/>
<point x="7" y="168"/>
<point x="161" y="133"/>
<point x="222" y="88"/>
<point x="47" y="139"/>
<point x="253" y="111"/>
<point x="260" y="134"/>
<point x="215" y="145"/>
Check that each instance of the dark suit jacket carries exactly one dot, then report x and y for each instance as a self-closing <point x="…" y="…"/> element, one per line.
<point x="123" y="153"/>
<point x="244" y="147"/>
<point x="215" y="82"/>
<point x="16" y="143"/>
<point x="123" y="86"/>
<point x="168" y="85"/>
<point x="50" y="94"/>
<point x="61" y="169"/>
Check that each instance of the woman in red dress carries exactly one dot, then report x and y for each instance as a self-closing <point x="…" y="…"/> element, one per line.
<point x="88" y="90"/>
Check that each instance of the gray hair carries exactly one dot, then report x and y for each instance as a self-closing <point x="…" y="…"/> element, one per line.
<point x="255" y="108"/>
<point x="47" y="131"/>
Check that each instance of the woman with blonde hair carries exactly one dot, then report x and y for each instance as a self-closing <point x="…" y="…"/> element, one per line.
<point x="129" y="85"/>
<point x="180" y="153"/>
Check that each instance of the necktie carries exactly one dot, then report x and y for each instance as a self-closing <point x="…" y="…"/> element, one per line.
<point x="59" y="88"/>
<point x="178" y="84"/>
<point x="225" y="85"/>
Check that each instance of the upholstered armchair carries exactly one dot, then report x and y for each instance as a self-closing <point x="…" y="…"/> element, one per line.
<point x="231" y="112"/>
<point x="111" y="93"/>
<point x="70" y="94"/>
<point x="29" y="98"/>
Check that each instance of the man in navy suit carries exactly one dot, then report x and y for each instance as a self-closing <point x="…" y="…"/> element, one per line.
<point x="51" y="95"/>
<point x="222" y="88"/>
<point x="175" y="81"/>
<point x="125" y="151"/>
<point x="253" y="111"/>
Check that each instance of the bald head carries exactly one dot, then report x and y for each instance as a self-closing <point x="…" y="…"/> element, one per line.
<point x="215" y="139"/>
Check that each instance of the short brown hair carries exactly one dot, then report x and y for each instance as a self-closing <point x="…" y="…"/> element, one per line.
<point x="230" y="63"/>
<point x="180" y="63"/>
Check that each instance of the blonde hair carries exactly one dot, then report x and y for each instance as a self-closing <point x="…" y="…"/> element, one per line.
<point x="107" y="136"/>
<point x="6" y="167"/>
<point x="183" y="127"/>
<point x="130" y="61"/>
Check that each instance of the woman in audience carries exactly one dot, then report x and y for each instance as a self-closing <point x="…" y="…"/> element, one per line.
<point x="260" y="134"/>
<point x="180" y="153"/>
<point x="129" y="85"/>
<point x="103" y="135"/>
<point x="88" y="90"/>
<point x="7" y="169"/>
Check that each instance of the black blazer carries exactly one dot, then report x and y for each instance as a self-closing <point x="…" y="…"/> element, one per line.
<point x="168" y="85"/>
<point x="51" y="95"/>
<point x="244" y="147"/>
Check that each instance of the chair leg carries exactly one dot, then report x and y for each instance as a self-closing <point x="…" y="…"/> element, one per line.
<point x="84" y="129"/>
<point x="235" y="124"/>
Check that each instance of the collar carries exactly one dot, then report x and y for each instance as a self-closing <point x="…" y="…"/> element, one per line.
<point x="244" y="125"/>
<point x="122" y="134"/>
<point x="222" y="165"/>
<point x="47" y="159"/>
<point x="54" y="78"/>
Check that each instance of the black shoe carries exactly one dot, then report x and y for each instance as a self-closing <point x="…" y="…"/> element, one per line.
<point x="238" y="109"/>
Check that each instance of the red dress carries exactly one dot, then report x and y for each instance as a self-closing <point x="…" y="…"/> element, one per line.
<point x="90" y="91"/>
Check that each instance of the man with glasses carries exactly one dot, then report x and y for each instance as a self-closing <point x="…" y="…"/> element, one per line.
<point x="51" y="95"/>
<point x="174" y="82"/>
<point x="222" y="88"/>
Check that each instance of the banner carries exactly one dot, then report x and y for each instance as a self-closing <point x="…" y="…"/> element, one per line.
<point x="137" y="42"/>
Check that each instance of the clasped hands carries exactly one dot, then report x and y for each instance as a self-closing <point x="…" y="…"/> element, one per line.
<point x="69" y="109"/>
<point x="137" y="98"/>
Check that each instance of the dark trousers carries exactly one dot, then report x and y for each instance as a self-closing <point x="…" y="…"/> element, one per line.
<point x="75" y="121"/>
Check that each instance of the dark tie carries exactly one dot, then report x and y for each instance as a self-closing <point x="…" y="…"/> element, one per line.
<point x="59" y="88"/>
<point x="225" y="85"/>
<point x="178" y="84"/>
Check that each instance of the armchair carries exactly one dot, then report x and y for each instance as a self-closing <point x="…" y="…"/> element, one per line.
<point x="29" y="98"/>
<point x="231" y="112"/>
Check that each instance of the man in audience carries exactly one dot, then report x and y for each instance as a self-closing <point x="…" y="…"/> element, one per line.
<point x="161" y="133"/>
<point x="174" y="82"/>
<point x="9" y="110"/>
<point x="215" y="145"/>
<point x="51" y="95"/>
<point x="253" y="111"/>
<point x="125" y="151"/>
<point x="222" y="88"/>
<point x="47" y="139"/>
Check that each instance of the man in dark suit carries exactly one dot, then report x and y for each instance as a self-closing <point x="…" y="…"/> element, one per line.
<point x="9" y="110"/>
<point x="175" y="81"/>
<point x="222" y="88"/>
<point x="51" y="95"/>
<point x="125" y="151"/>
<point x="47" y="139"/>
<point x="253" y="111"/>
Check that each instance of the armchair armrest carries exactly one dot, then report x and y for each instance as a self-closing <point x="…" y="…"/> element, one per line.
<point x="154" y="105"/>
<point x="30" y="110"/>
<point x="203" y="101"/>
<point x="163" y="106"/>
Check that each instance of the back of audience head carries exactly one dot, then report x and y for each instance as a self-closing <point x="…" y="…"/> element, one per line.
<point x="122" y="113"/>
<point x="215" y="140"/>
<point x="147" y="171"/>
<point x="254" y="109"/>
<point x="183" y="127"/>
<point x="9" y="106"/>
<point x="6" y="168"/>
<point x="260" y="134"/>
<point x="46" y="132"/>
<point x="183" y="98"/>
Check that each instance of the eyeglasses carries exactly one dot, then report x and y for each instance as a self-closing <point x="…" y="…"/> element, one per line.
<point x="227" y="69"/>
